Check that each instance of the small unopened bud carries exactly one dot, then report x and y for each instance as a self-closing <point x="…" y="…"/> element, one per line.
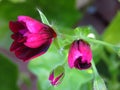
<point x="80" y="55"/>
<point x="56" y="76"/>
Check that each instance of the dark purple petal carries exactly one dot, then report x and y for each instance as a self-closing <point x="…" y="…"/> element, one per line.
<point x="26" y="53"/>
<point x="15" y="46"/>
<point x="18" y="37"/>
<point x="15" y="26"/>
<point x="49" y="30"/>
<point x="81" y="65"/>
<point x="56" y="81"/>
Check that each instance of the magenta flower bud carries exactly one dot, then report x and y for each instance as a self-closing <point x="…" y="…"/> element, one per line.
<point x="80" y="55"/>
<point x="31" y="37"/>
<point x="56" y="76"/>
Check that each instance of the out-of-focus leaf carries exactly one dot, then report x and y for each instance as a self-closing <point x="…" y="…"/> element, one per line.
<point x="86" y="86"/>
<point x="98" y="83"/>
<point x="62" y="12"/>
<point x="112" y="33"/>
<point x="17" y="1"/>
<point x="8" y="74"/>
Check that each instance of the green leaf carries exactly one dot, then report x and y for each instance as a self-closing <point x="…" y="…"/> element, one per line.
<point x="98" y="83"/>
<point x="8" y="74"/>
<point x="112" y="33"/>
<point x="17" y="1"/>
<point x="58" y="70"/>
<point x="43" y="17"/>
<point x="86" y="86"/>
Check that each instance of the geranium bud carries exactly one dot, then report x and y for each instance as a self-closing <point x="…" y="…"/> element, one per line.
<point x="31" y="37"/>
<point x="80" y="55"/>
<point x="56" y="76"/>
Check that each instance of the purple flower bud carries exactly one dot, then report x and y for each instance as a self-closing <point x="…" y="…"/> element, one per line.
<point x="57" y="75"/>
<point x="31" y="37"/>
<point x="80" y="55"/>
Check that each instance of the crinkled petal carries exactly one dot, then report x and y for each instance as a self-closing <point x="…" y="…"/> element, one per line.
<point x="25" y="53"/>
<point x="33" y="25"/>
<point x="36" y="40"/>
<point x="15" y="26"/>
<point x="86" y="51"/>
<point x="73" y="54"/>
<point x="15" y="46"/>
<point x="18" y="37"/>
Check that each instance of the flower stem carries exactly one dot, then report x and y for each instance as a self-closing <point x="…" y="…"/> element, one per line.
<point x="114" y="47"/>
<point x="101" y="42"/>
<point x="94" y="69"/>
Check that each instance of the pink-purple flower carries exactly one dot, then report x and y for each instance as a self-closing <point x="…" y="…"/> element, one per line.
<point x="80" y="55"/>
<point x="31" y="37"/>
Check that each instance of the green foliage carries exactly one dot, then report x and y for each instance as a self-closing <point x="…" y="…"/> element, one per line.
<point x="112" y="33"/>
<point x="8" y="74"/>
<point x="62" y="12"/>
<point x="42" y="66"/>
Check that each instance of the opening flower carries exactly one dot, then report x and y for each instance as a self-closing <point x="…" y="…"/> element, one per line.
<point x="31" y="37"/>
<point x="80" y="55"/>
